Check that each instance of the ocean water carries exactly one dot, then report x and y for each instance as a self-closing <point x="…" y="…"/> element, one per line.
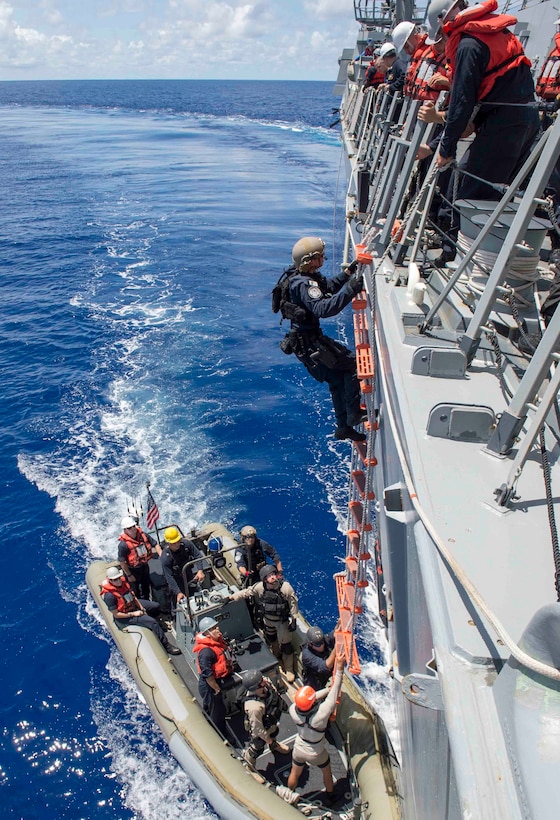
<point x="143" y="227"/>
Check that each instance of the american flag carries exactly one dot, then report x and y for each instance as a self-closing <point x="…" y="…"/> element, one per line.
<point x="152" y="512"/>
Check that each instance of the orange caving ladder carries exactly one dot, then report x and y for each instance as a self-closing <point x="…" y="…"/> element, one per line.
<point x="351" y="583"/>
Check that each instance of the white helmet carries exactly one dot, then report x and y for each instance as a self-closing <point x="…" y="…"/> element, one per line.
<point x="114" y="572"/>
<point x="128" y="521"/>
<point x="401" y="33"/>
<point x="387" y="49"/>
<point x="437" y="10"/>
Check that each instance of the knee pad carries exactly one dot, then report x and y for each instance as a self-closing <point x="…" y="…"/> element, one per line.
<point x="287" y="649"/>
<point x="269" y="634"/>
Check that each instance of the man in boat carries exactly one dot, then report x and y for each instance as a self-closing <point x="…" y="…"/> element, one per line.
<point x="129" y="610"/>
<point x="311" y="712"/>
<point x="263" y="707"/>
<point x="277" y="607"/>
<point x="252" y="554"/>
<point x="135" y="549"/>
<point x="318" y="657"/>
<point x="214" y="663"/>
<point x="493" y="87"/>
<point x="178" y="551"/>
<point x="304" y="297"/>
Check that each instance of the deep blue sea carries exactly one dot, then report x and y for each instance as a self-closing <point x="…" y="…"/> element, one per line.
<point x="143" y="226"/>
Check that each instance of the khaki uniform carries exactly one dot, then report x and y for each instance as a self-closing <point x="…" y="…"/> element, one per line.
<point x="310" y="745"/>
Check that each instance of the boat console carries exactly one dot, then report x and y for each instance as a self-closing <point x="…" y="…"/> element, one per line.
<point x="248" y="648"/>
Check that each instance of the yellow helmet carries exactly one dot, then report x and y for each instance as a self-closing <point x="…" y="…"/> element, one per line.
<point x="306" y="249"/>
<point x="172" y="535"/>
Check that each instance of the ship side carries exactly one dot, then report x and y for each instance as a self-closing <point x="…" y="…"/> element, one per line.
<point x="459" y="480"/>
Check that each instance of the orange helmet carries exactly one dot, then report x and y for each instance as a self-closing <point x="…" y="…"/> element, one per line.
<point x="305" y="698"/>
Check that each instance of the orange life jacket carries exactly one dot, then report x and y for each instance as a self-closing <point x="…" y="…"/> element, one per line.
<point x="224" y="664"/>
<point x="506" y="52"/>
<point x="373" y="78"/>
<point x="140" y="549"/>
<point x="548" y="84"/>
<point x="424" y="63"/>
<point x="126" y="600"/>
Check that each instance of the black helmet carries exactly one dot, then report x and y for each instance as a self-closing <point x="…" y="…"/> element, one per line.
<point x="315" y="635"/>
<point x="267" y="570"/>
<point x="252" y="679"/>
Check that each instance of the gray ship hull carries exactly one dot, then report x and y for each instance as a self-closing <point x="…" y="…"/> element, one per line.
<point x="463" y="514"/>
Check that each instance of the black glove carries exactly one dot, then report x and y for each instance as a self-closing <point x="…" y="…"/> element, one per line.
<point x="292" y="625"/>
<point x="355" y="284"/>
<point x="352" y="267"/>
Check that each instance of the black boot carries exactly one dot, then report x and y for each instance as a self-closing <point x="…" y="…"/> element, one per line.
<point x="444" y="257"/>
<point x="343" y="433"/>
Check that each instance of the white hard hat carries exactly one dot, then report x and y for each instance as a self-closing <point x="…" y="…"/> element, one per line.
<point x="387" y="49"/>
<point x="437" y="10"/>
<point x="114" y="572"/>
<point x="128" y="521"/>
<point x="401" y="33"/>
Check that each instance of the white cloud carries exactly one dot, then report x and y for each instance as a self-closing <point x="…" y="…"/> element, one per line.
<point x="173" y="38"/>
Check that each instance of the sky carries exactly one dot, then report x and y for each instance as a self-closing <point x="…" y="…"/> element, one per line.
<point x="174" y="39"/>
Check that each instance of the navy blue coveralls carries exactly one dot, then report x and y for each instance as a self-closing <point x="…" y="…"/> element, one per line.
<point x="504" y="134"/>
<point x="326" y="360"/>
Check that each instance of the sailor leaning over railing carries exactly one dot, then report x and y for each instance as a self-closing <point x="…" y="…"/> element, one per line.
<point x="491" y="71"/>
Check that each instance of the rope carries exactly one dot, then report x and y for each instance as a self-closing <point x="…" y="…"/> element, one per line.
<point x="549" y="206"/>
<point x="457" y="571"/>
<point x="550" y="512"/>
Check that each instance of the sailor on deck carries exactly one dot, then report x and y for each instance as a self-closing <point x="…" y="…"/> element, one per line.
<point x="492" y="84"/>
<point x="395" y="69"/>
<point x="307" y="298"/>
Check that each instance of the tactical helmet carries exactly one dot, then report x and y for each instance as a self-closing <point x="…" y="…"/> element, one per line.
<point x="172" y="535"/>
<point x="114" y="572"/>
<point x="128" y="521"/>
<point x="387" y="50"/>
<point x="315" y="635"/>
<point x="401" y="33"/>
<point x="268" y="569"/>
<point x="306" y="249"/>
<point x="252" y="679"/>
<point x="248" y="530"/>
<point x="207" y="623"/>
<point x="305" y="698"/>
<point x="215" y="544"/>
<point x="437" y="12"/>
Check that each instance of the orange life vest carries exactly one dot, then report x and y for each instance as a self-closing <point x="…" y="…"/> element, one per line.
<point x="373" y="78"/>
<point x="548" y="84"/>
<point x="224" y="664"/>
<point x="424" y="63"/>
<point x="506" y="52"/>
<point x="140" y="549"/>
<point x="126" y="600"/>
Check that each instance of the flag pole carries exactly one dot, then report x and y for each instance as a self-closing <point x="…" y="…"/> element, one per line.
<point x="150" y="506"/>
